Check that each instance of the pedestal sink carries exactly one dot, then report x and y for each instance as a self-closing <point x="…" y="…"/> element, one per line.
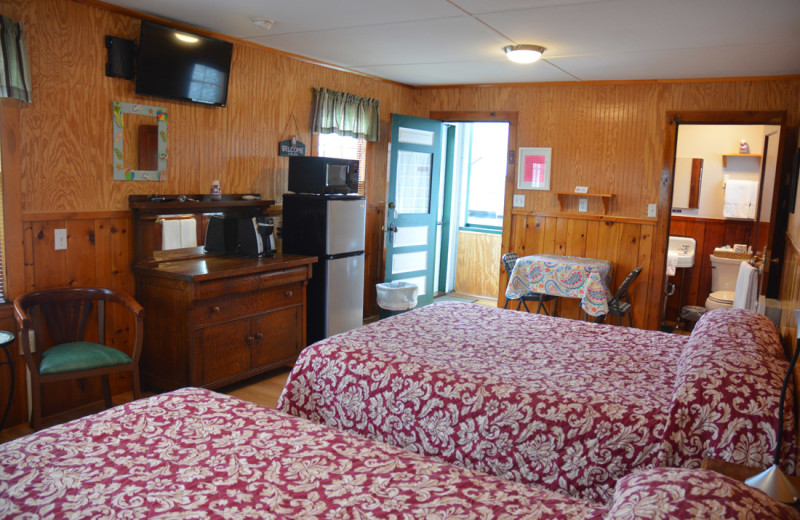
<point x="685" y="247"/>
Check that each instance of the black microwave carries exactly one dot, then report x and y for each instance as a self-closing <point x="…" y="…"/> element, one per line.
<point x="323" y="175"/>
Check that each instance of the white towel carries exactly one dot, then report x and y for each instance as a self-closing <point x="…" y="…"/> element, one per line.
<point x="188" y="232"/>
<point x="746" y="294"/>
<point x="741" y="198"/>
<point x="672" y="262"/>
<point x="178" y="232"/>
<point x="170" y="234"/>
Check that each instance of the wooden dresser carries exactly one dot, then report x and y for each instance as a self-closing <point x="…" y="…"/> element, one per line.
<point x="212" y="320"/>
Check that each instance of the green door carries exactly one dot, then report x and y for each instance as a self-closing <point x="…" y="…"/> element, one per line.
<point x="412" y="203"/>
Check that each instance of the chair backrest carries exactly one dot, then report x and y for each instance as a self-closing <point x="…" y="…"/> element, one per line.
<point x="622" y="292"/>
<point x="509" y="261"/>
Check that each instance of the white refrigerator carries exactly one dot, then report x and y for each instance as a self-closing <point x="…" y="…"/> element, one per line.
<point x="332" y="228"/>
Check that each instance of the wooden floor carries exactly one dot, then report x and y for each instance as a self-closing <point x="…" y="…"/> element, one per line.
<point x="264" y="390"/>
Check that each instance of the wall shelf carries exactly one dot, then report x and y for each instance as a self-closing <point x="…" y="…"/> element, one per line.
<point x="725" y="157"/>
<point x="604" y="198"/>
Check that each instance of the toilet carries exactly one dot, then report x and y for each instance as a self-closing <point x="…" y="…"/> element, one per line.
<point x="724" y="273"/>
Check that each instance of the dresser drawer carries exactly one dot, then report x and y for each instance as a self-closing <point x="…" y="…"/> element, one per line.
<point x="238" y="305"/>
<point x="247" y="284"/>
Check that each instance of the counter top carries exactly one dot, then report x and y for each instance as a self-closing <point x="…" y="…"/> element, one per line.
<point x="213" y="267"/>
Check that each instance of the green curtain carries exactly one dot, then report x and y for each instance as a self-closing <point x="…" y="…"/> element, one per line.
<point x="345" y="114"/>
<point x="15" y="79"/>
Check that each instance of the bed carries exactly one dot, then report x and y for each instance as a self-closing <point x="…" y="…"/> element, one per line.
<point x="565" y="404"/>
<point x="196" y="454"/>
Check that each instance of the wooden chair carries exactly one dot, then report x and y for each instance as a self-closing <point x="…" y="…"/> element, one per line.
<point x="620" y="304"/>
<point x="509" y="260"/>
<point x="53" y="325"/>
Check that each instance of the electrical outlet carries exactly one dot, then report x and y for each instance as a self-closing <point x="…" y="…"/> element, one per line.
<point x="581" y="189"/>
<point x="583" y="205"/>
<point x="651" y="210"/>
<point x="60" y="239"/>
<point x="519" y="201"/>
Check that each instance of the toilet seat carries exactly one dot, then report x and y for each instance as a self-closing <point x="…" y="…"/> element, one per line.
<point x="719" y="299"/>
<point x="722" y="297"/>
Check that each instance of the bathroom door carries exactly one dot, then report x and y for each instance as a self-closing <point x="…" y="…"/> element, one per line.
<point x="767" y="211"/>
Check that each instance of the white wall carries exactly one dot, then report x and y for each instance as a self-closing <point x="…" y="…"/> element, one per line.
<point x="710" y="142"/>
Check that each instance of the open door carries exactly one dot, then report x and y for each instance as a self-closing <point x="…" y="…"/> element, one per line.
<point x="412" y="203"/>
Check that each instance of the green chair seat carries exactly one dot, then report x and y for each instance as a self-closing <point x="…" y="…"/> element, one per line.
<point x="80" y="355"/>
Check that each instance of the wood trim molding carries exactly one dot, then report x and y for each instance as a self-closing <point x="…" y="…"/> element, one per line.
<point x="499" y="116"/>
<point x="74" y="215"/>
<point x="735" y="79"/>
<point x="707" y="220"/>
<point x="10" y="140"/>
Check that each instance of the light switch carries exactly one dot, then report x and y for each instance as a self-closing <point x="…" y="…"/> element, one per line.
<point x="519" y="201"/>
<point x="60" y="236"/>
<point x="583" y="205"/>
<point x="651" y="210"/>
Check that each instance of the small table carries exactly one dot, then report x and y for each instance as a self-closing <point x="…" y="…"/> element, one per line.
<point x="564" y="276"/>
<point x="6" y="339"/>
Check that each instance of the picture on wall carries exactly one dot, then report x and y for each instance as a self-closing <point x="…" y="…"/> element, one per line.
<point x="533" y="169"/>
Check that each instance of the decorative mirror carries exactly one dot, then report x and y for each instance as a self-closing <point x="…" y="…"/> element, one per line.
<point x="140" y="142"/>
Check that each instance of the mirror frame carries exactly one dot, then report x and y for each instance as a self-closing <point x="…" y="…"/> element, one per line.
<point x="118" y="152"/>
<point x="695" y="178"/>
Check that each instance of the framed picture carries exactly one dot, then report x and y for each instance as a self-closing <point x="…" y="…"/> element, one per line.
<point x="533" y="169"/>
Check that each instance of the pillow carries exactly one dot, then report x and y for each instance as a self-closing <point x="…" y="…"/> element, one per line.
<point x="738" y="328"/>
<point x="726" y="394"/>
<point x="677" y="494"/>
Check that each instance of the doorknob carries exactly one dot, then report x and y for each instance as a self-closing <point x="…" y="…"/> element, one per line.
<point x="391" y="205"/>
<point x="393" y="229"/>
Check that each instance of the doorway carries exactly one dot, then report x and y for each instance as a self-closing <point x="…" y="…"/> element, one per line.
<point x="473" y="210"/>
<point x="713" y="140"/>
<point x="471" y="217"/>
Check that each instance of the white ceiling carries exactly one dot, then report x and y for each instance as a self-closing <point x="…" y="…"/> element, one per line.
<point x="443" y="42"/>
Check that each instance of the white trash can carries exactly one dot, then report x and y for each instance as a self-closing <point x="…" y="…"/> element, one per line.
<point x="396" y="297"/>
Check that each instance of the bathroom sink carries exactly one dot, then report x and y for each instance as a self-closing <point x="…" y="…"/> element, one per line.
<point x="685" y="247"/>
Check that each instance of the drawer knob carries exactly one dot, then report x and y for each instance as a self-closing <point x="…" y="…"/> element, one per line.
<point x="288" y="294"/>
<point x="215" y="308"/>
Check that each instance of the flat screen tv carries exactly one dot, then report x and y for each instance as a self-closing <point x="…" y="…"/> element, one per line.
<point x="175" y="64"/>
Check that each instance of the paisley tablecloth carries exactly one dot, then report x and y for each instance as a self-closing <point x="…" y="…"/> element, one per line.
<point x="565" y="276"/>
<point x="565" y="404"/>
<point x="194" y="454"/>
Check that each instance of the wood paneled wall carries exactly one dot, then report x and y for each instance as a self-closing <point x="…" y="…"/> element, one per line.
<point x="709" y="234"/>
<point x="477" y="268"/>
<point x="627" y="243"/>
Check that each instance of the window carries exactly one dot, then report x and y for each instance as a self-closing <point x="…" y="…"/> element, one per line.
<point x="481" y="158"/>
<point x="343" y="147"/>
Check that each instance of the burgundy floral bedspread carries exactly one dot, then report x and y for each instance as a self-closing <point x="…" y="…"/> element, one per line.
<point x="194" y="454"/>
<point x="568" y="405"/>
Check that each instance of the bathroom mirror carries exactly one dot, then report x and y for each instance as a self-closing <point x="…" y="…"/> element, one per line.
<point x="688" y="179"/>
<point x="139" y="142"/>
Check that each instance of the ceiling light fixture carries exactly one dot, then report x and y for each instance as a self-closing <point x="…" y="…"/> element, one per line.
<point x="524" y="53"/>
<point x="263" y="23"/>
